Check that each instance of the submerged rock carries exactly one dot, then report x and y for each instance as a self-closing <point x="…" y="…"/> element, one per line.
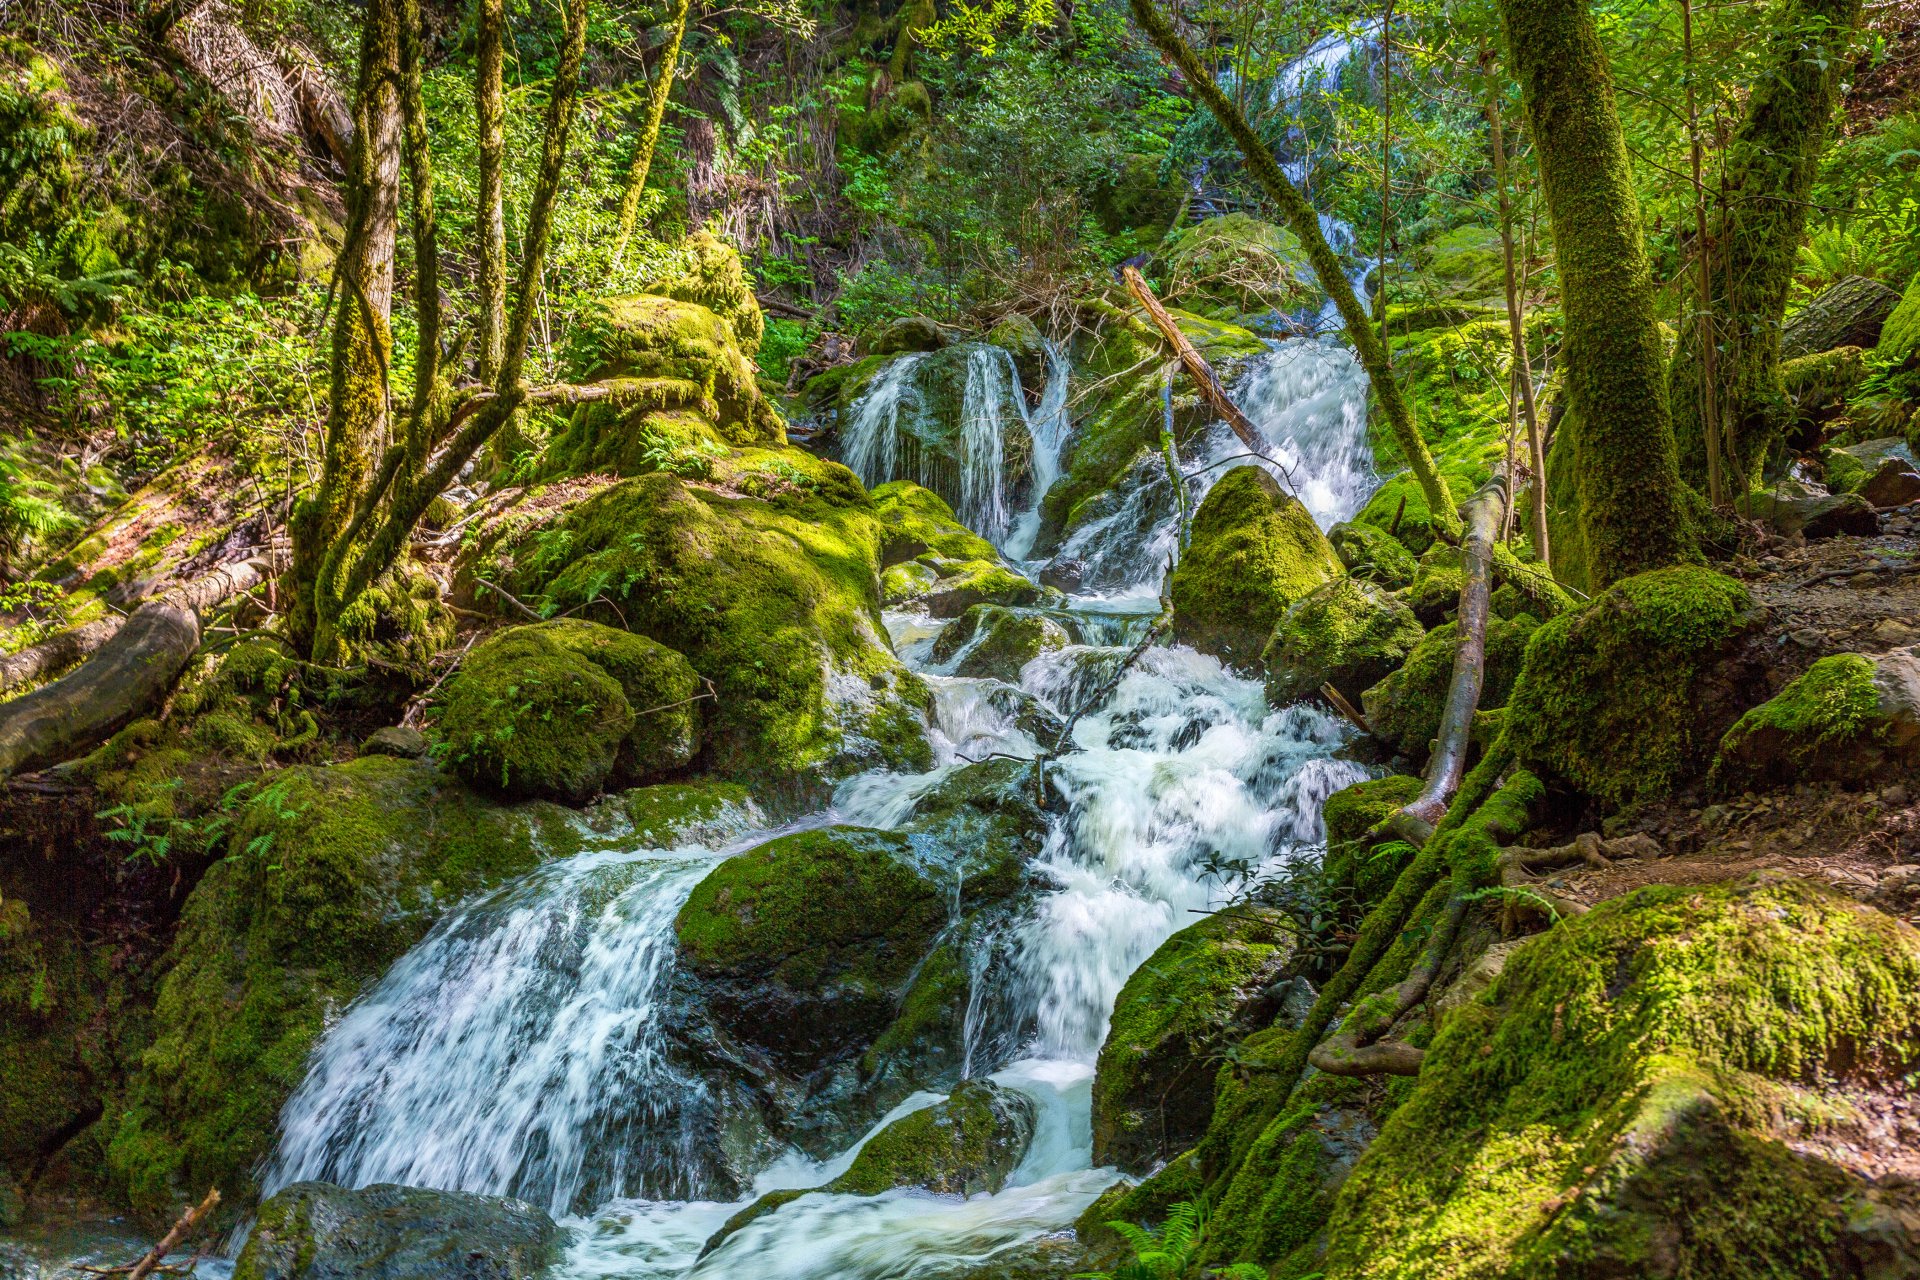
<point x="317" y="1231"/>
<point x="965" y="1145"/>
<point x="1852" y="718"/>
<point x="1254" y="551"/>
<point x="994" y="641"/>
<point x="1346" y="633"/>
<point x="1205" y="988"/>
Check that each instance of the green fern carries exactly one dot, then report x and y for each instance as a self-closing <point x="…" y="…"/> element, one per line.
<point x="1173" y="1252"/>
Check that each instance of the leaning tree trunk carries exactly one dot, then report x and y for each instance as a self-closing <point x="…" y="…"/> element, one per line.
<point x="1753" y="238"/>
<point x="126" y="676"/>
<point x="1625" y="471"/>
<point x="358" y="410"/>
<point x="650" y="131"/>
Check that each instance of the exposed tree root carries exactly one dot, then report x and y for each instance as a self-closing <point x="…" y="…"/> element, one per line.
<point x="1357" y="1048"/>
<point x="129" y="673"/>
<point x="1519" y="867"/>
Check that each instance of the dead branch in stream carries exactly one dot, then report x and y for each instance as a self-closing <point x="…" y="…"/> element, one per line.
<point x="129" y="673"/>
<point x="149" y="1262"/>
<point x="1197" y="367"/>
<point x="1485" y="514"/>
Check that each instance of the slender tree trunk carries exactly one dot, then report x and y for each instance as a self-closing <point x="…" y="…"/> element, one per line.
<point x="650" y="130"/>
<point x="1517" y="324"/>
<point x="1305" y="224"/>
<point x="358" y="409"/>
<point x="1386" y="166"/>
<point x="1753" y="237"/>
<point x="489" y="105"/>
<point x="1625" y="469"/>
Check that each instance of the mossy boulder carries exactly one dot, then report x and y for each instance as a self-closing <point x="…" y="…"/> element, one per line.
<point x="1625" y="698"/>
<point x="965" y="1145"/>
<point x="962" y="586"/>
<point x="1462" y="263"/>
<point x="775" y="600"/>
<point x="708" y="271"/>
<point x="1899" y="343"/>
<point x="992" y="640"/>
<point x="1021" y="338"/>
<point x="1347" y="633"/>
<point x="804" y="946"/>
<point x="1133" y="196"/>
<point x="317" y="1231"/>
<point x="1372" y="554"/>
<point x="1644" y="1091"/>
<point x="917" y="523"/>
<point x="1852" y="718"/>
<point x="1405" y="708"/>
<point x="1236" y="265"/>
<point x="1437" y="580"/>
<point x="908" y="333"/>
<point x="1254" y="551"/>
<point x="659" y="685"/>
<point x="1359" y="871"/>
<point x="1205" y="988"/>
<point x="338" y="871"/>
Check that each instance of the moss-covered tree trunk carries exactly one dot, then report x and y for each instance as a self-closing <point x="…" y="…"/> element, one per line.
<point x="490" y="111"/>
<point x="1752" y="240"/>
<point x="358" y="409"/>
<point x="1626" y="472"/>
<point x="650" y="129"/>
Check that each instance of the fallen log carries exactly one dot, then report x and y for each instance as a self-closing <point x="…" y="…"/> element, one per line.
<point x="1196" y="365"/>
<point x="55" y="654"/>
<point x="129" y="673"/>
<point x="1485" y="513"/>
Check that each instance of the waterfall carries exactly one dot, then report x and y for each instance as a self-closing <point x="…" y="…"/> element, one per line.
<point x="870" y="442"/>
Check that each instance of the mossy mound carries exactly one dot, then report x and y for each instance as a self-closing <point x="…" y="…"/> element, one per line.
<point x="1358" y="870"/>
<point x="317" y="1231"/>
<point x="1021" y="338"/>
<point x="774" y="600"/>
<point x="1235" y="265"/>
<point x="1346" y="633"/>
<point x="711" y="274"/>
<point x="1463" y="263"/>
<point x="338" y="872"/>
<point x="1625" y="698"/>
<point x="805" y="945"/>
<point x="995" y="641"/>
<point x="965" y="1145"/>
<point x="1205" y="987"/>
<point x="1899" y="343"/>
<point x="1850" y="719"/>
<point x="917" y="523"/>
<point x="1254" y="551"/>
<point x="659" y="685"/>
<point x="1372" y="554"/>
<point x="1437" y="580"/>
<point x="1623" y="1100"/>
<point x="1404" y="709"/>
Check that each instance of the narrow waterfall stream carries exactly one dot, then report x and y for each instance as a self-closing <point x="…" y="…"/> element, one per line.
<point x="522" y="1048"/>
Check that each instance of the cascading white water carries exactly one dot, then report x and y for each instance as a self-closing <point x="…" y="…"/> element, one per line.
<point x="1047" y="425"/>
<point x="870" y="442"/>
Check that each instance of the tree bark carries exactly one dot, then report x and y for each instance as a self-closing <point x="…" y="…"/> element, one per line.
<point x="1754" y="237"/>
<point x="1196" y="365"/>
<point x="1626" y="474"/>
<point x="490" y="113"/>
<point x="650" y="131"/>
<point x="129" y="674"/>
<point x="55" y="654"/>
<point x="1305" y="224"/>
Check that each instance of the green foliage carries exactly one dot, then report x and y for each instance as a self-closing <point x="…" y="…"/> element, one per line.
<point x="27" y="515"/>
<point x="1173" y="1252"/>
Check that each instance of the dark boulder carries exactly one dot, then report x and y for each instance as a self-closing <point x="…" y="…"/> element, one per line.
<point x="317" y="1231"/>
<point x="1849" y="314"/>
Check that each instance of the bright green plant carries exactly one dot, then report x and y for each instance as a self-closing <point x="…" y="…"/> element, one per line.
<point x="1173" y="1252"/>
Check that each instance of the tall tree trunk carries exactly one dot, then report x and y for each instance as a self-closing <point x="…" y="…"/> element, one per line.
<point x="490" y="111"/>
<point x="1517" y="324"/>
<point x="650" y="130"/>
<point x="1753" y="237"/>
<point x="1625" y="469"/>
<point x="1305" y="224"/>
<point x="358" y="410"/>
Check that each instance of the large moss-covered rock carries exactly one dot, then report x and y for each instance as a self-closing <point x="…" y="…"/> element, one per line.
<point x="317" y="1231"/>
<point x="775" y="600"/>
<point x="1372" y="554"/>
<point x="1254" y="551"/>
<point x="805" y="945"/>
<point x="1663" y="1087"/>
<point x="708" y="271"/>
<point x="1852" y="718"/>
<point x="1462" y="264"/>
<point x="1358" y="870"/>
<point x="1021" y="338"/>
<point x="1899" y="343"/>
<point x="1205" y="988"/>
<point x="1850" y="313"/>
<point x="1237" y="265"/>
<point x="659" y="684"/>
<point x="1625" y="698"/>
<point x="992" y="640"/>
<point x="1404" y="709"/>
<point x="338" y="871"/>
<point x="967" y="1144"/>
<point x="906" y="334"/>
<point x="1346" y="633"/>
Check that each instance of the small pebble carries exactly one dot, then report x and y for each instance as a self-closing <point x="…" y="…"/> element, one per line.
<point x="1894" y="796"/>
<point x="1809" y="638"/>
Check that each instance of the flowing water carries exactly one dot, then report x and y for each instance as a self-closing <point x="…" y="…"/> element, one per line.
<point x="525" y="1046"/>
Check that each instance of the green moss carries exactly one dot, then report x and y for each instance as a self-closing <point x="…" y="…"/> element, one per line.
<point x="915" y="522"/>
<point x="997" y="641"/>
<point x="965" y="1145"/>
<point x="338" y="872"/>
<point x="711" y="274"/>
<point x="1345" y="632"/>
<point x="1437" y="581"/>
<point x="776" y="601"/>
<point x="672" y="813"/>
<point x="659" y="685"/>
<point x="1405" y="708"/>
<point x="1254" y="551"/>
<point x="1464" y="262"/>
<point x="1153" y="1084"/>
<point x="662" y="346"/>
<point x="1816" y="727"/>
<point x="1236" y="265"/>
<point x="1615" y="1102"/>
<point x="1900" y="337"/>
<point x="1372" y="554"/>
<point x="1608" y="699"/>
<point x="1355" y="865"/>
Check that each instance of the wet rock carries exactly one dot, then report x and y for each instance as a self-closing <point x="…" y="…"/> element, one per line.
<point x="1848" y="314"/>
<point x="995" y="641"/>
<point x="909" y="333"/>
<point x="975" y="582"/>
<point x="1372" y="554"/>
<point x="1205" y="988"/>
<point x="965" y="1145"/>
<point x="1852" y="718"/>
<point x="1815" y="517"/>
<point x="395" y="740"/>
<point x="1254" y="551"/>
<point x="317" y="1231"/>
<point x="1346" y="633"/>
<point x="1021" y="338"/>
<point x="1849" y="466"/>
<point x="1893" y="484"/>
